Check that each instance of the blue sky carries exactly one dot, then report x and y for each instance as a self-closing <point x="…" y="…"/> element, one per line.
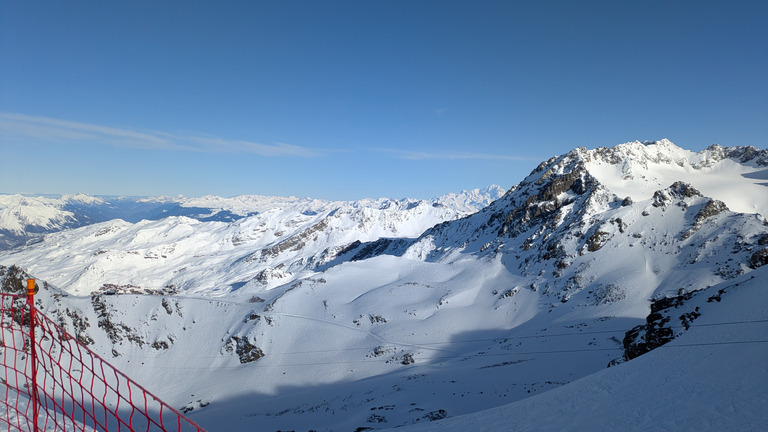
<point x="352" y="99"/>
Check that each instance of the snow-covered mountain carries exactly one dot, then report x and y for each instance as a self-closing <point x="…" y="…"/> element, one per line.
<point x="384" y="313"/>
<point x="25" y="219"/>
<point x="564" y="225"/>
<point x="271" y="239"/>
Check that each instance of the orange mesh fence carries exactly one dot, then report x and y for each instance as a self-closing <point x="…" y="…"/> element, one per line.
<point x="51" y="382"/>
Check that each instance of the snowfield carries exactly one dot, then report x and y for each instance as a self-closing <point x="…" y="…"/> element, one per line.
<point x="711" y="378"/>
<point x="475" y="311"/>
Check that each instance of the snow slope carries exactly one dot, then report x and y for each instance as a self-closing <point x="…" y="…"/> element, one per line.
<point x="711" y="378"/>
<point x="365" y="315"/>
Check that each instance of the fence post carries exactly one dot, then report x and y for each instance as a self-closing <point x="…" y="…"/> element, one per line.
<point x="32" y="318"/>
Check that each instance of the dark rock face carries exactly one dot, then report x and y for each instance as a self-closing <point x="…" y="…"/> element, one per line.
<point x="657" y="329"/>
<point x="116" y="331"/>
<point x="678" y="190"/>
<point x="596" y="240"/>
<point x="436" y="415"/>
<point x="245" y="350"/>
<point x="712" y="208"/>
<point x="743" y="154"/>
<point x="758" y="259"/>
<point x="541" y="205"/>
<point x="374" y="248"/>
<point x="13" y="279"/>
<point x="644" y="338"/>
<point x="80" y="325"/>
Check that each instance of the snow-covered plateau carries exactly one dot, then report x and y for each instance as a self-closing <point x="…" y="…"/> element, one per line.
<point x="614" y="288"/>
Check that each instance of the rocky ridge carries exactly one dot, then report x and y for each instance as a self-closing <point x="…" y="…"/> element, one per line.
<point x="561" y="220"/>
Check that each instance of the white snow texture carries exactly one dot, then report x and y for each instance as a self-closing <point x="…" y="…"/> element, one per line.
<point x="480" y="310"/>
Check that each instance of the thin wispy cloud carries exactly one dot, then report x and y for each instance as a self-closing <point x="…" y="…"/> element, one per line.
<point x="423" y="155"/>
<point x="21" y="126"/>
<point x="241" y="146"/>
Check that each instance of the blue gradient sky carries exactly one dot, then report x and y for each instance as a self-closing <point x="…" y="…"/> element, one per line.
<point x="352" y="99"/>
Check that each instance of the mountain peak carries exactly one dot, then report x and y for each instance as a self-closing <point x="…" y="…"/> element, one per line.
<point x="638" y="169"/>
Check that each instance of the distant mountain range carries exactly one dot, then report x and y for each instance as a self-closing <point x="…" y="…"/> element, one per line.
<point x="26" y="218"/>
<point x="461" y="313"/>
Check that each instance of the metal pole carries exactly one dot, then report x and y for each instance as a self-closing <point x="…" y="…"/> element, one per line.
<point x="32" y="318"/>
